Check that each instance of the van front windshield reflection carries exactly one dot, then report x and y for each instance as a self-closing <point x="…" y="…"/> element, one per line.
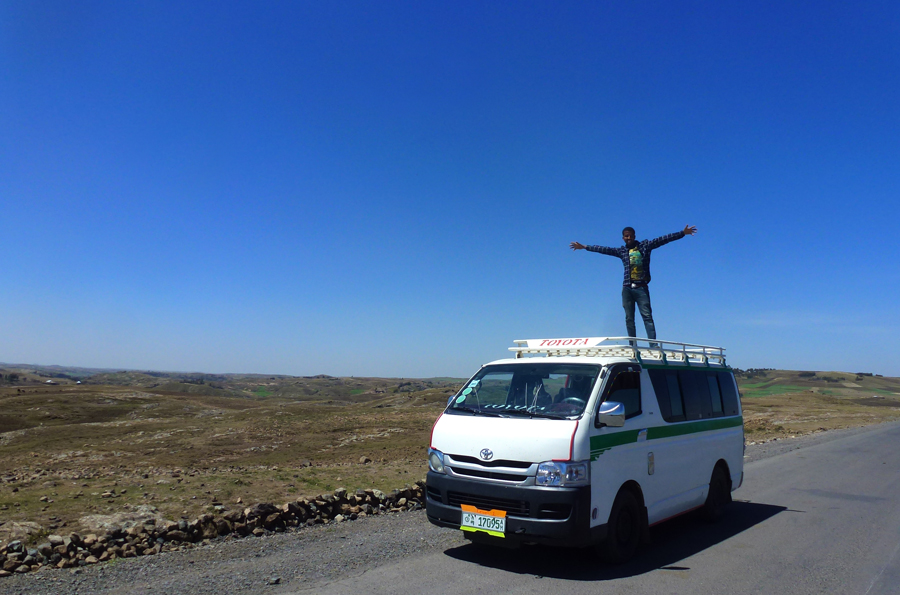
<point x="545" y="390"/>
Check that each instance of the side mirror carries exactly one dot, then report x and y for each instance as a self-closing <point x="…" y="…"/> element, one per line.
<point x="612" y="414"/>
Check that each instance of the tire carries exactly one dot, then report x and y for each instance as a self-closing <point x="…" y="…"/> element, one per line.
<point x="719" y="495"/>
<point x="623" y="529"/>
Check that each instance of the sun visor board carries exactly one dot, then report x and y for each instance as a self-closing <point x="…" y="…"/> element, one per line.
<point x="571" y="342"/>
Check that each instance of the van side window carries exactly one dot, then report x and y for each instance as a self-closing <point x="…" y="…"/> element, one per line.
<point x="715" y="396"/>
<point x="696" y="394"/>
<point x="675" y="400"/>
<point x="626" y="389"/>
<point x="730" y="403"/>
<point x="668" y="394"/>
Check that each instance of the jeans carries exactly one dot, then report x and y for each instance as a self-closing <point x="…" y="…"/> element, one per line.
<point x="641" y="297"/>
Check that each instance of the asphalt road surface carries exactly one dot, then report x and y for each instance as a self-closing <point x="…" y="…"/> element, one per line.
<point x="820" y="519"/>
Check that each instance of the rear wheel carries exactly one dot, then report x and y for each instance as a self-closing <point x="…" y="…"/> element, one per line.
<point x="719" y="495"/>
<point x="623" y="529"/>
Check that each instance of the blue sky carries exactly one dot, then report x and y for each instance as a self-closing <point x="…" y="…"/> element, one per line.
<point x="389" y="189"/>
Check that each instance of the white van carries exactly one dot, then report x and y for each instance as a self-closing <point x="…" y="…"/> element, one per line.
<point x="587" y="441"/>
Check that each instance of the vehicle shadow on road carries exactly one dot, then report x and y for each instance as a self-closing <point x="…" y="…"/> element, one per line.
<point x="671" y="542"/>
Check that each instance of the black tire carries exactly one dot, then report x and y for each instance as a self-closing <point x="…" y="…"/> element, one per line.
<point x="719" y="495"/>
<point x="623" y="530"/>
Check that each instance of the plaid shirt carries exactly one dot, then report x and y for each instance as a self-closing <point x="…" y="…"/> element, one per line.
<point x="644" y="248"/>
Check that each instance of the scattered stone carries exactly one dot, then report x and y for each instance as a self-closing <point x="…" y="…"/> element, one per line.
<point x="106" y="523"/>
<point x="18" y="530"/>
<point x="14" y="546"/>
<point x="274" y="580"/>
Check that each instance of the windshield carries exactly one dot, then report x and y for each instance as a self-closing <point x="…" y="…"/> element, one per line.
<point x="536" y="390"/>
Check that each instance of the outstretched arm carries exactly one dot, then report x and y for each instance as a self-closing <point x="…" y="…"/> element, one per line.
<point x="598" y="249"/>
<point x="688" y="230"/>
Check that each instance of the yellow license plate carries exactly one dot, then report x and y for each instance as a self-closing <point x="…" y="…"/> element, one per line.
<point x="492" y="522"/>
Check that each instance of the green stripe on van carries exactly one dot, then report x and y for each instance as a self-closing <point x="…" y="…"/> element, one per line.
<point x="600" y="444"/>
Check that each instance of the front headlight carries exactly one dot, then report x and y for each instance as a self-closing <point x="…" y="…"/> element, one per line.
<point x="436" y="460"/>
<point x="559" y="474"/>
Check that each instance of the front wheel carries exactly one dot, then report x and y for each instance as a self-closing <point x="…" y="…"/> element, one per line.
<point x="623" y="529"/>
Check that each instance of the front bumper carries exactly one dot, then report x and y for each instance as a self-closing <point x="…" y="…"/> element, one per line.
<point x="550" y="516"/>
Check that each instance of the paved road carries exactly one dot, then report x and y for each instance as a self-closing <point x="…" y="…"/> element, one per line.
<point x="819" y="519"/>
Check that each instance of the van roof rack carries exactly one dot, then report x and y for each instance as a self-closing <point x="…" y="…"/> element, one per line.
<point x="643" y="350"/>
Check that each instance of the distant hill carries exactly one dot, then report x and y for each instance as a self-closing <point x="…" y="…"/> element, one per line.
<point x="320" y="387"/>
<point x="758" y="383"/>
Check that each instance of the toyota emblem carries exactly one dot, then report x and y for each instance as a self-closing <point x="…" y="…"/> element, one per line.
<point x="487" y="454"/>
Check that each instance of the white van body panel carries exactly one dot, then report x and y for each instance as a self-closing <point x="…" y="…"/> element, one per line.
<point x="611" y="470"/>
<point x="681" y="464"/>
<point x="516" y="439"/>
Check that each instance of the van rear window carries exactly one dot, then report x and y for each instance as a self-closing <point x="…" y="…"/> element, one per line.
<point x="730" y="400"/>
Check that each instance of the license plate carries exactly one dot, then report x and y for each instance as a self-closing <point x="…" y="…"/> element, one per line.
<point x="492" y="522"/>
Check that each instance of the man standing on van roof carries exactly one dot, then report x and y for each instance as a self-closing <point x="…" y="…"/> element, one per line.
<point x="636" y="258"/>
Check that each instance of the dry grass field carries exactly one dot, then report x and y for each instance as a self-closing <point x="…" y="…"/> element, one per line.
<point x="784" y="403"/>
<point x="75" y="450"/>
<point x="185" y="444"/>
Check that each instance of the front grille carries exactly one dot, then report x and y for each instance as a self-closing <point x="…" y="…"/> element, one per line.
<point x="489" y="474"/>
<point x="433" y="493"/>
<point x="498" y="463"/>
<point x="516" y="507"/>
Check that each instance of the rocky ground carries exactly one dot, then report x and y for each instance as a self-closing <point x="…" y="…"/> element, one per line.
<point x="296" y="559"/>
<point x="143" y="532"/>
<point x="274" y="563"/>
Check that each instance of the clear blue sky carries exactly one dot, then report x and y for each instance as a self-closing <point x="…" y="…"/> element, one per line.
<point x="390" y="188"/>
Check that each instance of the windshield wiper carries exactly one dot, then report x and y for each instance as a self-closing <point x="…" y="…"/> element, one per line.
<point x="475" y="411"/>
<point x="525" y="412"/>
<point x="545" y="415"/>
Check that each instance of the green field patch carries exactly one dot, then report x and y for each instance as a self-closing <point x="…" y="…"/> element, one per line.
<point x="262" y="392"/>
<point x="754" y="384"/>
<point x="357" y="391"/>
<point x="775" y="389"/>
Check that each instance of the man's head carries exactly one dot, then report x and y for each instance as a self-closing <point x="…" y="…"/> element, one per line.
<point x="628" y="237"/>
